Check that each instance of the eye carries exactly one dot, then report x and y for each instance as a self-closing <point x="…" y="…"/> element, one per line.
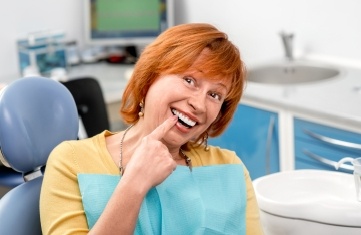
<point x="216" y="95"/>
<point x="189" y="80"/>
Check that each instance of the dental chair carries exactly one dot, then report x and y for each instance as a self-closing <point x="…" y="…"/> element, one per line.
<point x="36" y="114"/>
<point x="91" y="105"/>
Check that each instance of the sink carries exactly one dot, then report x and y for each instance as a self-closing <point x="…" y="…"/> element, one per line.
<point x="304" y="199"/>
<point x="291" y="72"/>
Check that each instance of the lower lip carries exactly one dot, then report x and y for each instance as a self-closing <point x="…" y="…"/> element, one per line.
<point x="182" y="128"/>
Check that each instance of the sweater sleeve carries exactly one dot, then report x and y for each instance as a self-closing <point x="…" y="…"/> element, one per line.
<point x="253" y="223"/>
<point x="61" y="209"/>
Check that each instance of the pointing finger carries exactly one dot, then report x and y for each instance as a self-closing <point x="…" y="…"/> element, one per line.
<point x="159" y="132"/>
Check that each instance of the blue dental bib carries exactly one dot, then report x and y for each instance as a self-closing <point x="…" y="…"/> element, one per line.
<point x="209" y="200"/>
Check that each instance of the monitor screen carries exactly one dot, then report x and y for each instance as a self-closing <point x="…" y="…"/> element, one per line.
<point x="126" y="22"/>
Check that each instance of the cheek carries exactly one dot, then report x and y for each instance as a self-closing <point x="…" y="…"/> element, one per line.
<point x="213" y="114"/>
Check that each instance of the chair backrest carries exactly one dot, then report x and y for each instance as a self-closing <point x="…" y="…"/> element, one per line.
<point x="36" y="114"/>
<point x="90" y="102"/>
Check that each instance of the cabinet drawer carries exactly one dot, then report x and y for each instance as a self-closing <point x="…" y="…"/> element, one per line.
<point x="312" y="156"/>
<point x="320" y="147"/>
<point x="327" y="136"/>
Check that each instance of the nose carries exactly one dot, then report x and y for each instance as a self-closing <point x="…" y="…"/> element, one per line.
<point x="197" y="102"/>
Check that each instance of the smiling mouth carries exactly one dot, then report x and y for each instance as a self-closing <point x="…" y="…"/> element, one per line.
<point x="184" y="119"/>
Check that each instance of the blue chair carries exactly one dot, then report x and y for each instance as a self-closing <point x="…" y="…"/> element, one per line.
<point x="36" y="114"/>
<point x="9" y="178"/>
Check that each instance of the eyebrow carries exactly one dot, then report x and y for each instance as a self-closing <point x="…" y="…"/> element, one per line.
<point x="197" y="70"/>
<point x="222" y="85"/>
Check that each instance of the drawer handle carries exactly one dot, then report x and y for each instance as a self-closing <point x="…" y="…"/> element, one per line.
<point x="326" y="161"/>
<point x="333" y="141"/>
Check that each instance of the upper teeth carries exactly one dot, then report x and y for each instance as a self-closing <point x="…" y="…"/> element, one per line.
<point x="184" y="118"/>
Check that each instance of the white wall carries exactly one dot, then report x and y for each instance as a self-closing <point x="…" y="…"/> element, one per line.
<point x="18" y="17"/>
<point x="330" y="29"/>
<point x="326" y="28"/>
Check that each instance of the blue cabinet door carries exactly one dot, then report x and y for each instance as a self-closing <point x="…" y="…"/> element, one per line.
<point x="253" y="135"/>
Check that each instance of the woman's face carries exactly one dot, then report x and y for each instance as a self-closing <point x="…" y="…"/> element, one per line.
<point x="193" y="97"/>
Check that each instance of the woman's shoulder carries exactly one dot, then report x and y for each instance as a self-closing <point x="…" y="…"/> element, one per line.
<point x="80" y="152"/>
<point x="212" y="156"/>
<point x="96" y="141"/>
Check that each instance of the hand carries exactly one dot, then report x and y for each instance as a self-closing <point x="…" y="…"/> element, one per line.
<point x="151" y="162"/>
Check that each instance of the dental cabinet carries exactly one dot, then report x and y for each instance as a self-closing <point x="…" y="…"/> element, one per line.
<point x="271" y="140"/>
<point x="312" y="124"/>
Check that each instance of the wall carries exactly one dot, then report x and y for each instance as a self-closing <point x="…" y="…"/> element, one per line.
<point x="325" y="29"/>
<point x="18" y="17"/>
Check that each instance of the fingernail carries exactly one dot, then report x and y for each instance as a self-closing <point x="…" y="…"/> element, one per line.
<point x="174" y="117"/>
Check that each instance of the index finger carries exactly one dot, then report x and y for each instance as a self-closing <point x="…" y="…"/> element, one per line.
<point x="159" y="132"/>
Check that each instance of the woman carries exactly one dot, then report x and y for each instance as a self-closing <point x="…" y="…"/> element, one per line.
<point x="159" y="176"/>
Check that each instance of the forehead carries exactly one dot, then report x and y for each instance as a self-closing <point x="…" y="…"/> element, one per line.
<point x="203" y="67"/>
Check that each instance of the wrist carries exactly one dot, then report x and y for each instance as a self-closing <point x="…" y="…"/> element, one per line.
<point x="134" y="187"/>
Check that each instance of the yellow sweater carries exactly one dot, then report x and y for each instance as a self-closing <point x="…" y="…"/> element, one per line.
<point x="61" y="208"/>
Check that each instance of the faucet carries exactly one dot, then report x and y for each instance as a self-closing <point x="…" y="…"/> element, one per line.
<point x="287" y="40"/>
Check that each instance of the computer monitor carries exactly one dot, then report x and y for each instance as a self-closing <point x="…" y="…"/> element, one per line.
<point x="126" y="22"/>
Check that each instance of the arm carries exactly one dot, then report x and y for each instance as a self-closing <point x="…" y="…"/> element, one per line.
<point x="61" y="209"/>
<point x="150" y="164"/>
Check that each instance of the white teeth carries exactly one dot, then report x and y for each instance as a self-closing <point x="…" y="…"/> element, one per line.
<point x="184" y="118"/>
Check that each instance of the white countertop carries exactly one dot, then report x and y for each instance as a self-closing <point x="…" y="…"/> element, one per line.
<point x="338" y="98"/>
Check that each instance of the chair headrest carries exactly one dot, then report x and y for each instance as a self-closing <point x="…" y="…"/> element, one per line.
<point x="36" y="114"/>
